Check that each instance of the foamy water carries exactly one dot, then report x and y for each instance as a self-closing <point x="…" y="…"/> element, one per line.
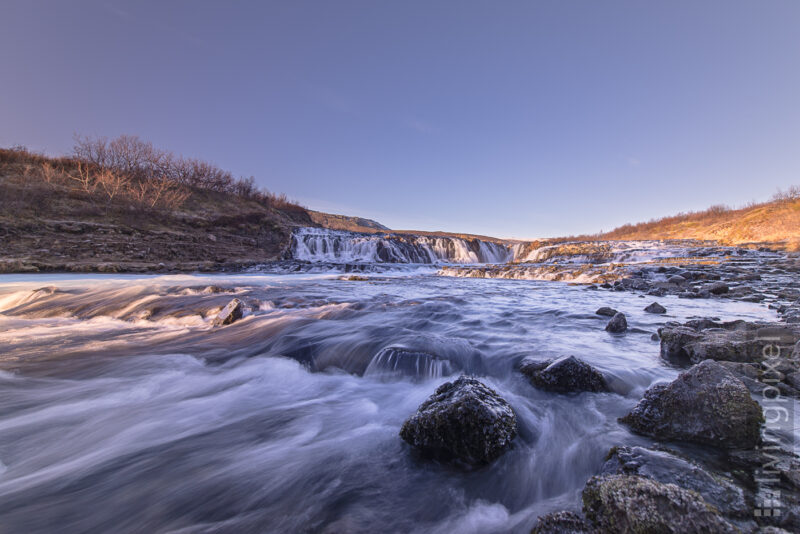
<point x="122" y="409"/>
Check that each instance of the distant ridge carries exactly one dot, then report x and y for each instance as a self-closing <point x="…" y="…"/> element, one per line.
<point x="345" y="222"/>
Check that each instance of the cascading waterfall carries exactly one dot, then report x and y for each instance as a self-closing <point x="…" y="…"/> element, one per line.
<point x="323" y="245"/>
<point x="317" y="244"/>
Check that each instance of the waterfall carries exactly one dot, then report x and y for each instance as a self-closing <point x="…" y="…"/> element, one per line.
<point x="319" y="244"/>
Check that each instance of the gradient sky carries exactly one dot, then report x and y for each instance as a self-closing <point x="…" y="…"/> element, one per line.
<point x="515" y="119"/>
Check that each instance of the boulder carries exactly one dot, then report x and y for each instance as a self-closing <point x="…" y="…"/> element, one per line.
<point x="606" y="311"/>
<point x="563" y="523"/>
<point x="707" y="404"/>
<point x="232" y="312"/>
<point x="629" y="504"/>
<point x="617" y="324"/>
<point x="667" y="468"/>
<point x="676" y="279"/>
<point x="718" y="288"/>
<point x="564" y="375"/>
<point x="703" y="339"/>
<point x="463" y="421"/>
<point x="655" y="308"/>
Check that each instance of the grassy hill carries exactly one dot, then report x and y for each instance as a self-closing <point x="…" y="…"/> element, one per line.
<point x="62" y="214"/>
<point x="775" y="223"/>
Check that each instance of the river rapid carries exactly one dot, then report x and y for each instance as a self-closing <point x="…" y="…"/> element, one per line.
<point x="122" y="409"/>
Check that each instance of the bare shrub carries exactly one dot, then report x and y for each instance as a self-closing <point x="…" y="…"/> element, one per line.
<point x="82" y="176"/>
<point x="791" y="193"/>
<point x="111" y="183"/>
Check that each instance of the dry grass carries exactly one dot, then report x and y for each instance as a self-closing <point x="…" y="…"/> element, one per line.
<point x="776" y="222"/>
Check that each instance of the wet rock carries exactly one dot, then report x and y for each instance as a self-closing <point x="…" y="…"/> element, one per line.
<point x="718" y="288"/>
<point x="231" y="313"/>
<point x="676" y="279"/>
<point x="655" y="308"/>
<point x="606" y="311"/>
<point x="463" y="421"/>
<point x="741" y="369"/>
<point x="617" y="324"/>
<point x="736" y="341"/>
<point x="564" y="375"/>
<point x="670" y="469"/>
<point x="563" y="523"/>
<point x="706" y="404"/>
<point x="633" y="504"/>
<point x="793" y="379"/>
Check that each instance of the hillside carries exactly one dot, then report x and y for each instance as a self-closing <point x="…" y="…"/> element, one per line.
<point x="50" y="222"/>
<point x="775" y="223"/>
<point x="345" y="222"/>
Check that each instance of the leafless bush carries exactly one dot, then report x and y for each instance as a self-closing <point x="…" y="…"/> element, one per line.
<point x="82" y="176"/>
<point x="791" y="193"/>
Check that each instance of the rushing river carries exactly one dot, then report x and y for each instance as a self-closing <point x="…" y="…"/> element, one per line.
<point x="123" y="410"/>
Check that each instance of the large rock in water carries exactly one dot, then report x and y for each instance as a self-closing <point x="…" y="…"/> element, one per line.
<point x="463" y="421"/>
<point x="564" y="375"/>
<point x="706" y="404"/>
<point x="606" y="311"/>
<point x="230" y="313"/>
<point x="670" y="469"/>
<point x="655" y="308"/>
<point x="617" y="324"/>
<point x="629" y="504"/>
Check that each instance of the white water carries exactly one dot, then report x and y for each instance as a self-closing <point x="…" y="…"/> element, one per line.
<point x="315" y="244"/>
<point x="122" y="409"/>
<point x="336" y="246"/>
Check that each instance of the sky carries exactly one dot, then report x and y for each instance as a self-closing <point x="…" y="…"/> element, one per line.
<point x="517" y="119"/>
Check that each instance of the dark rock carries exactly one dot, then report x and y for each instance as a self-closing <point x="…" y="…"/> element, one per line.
<point x="655" y="308"/>
<point x="564" y="375"/>
<point x="676" y="279"/>
<point x="463" y="421"/>
<point x="670" y="469"/>
<point x="563" y="523"/>
<point x="606" y="311"/>
<point x="232" y="312"/>
<point x="793" y="379"/>
<point x="629" y="504"/>
<point x="706" y="404"/>
<point x="617" y="324"/>
<point x="718" y="288"/>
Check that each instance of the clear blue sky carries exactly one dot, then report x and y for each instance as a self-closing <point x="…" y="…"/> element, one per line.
<point x="516" y="119"/>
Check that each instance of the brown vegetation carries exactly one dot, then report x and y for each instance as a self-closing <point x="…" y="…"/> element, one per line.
<point x="128" y="204"/>
<point x="776" y="222"/>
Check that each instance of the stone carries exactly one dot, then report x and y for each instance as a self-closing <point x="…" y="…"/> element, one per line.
<point x="606" y="311"/>
<point x="464" y="421"/>
<point x="231" y="313"/>
<point x="718" y="288"/>
<point x="667" y="468"/>
<point x="706" y="404"/>
<point x="655" y="308"/>
<point x="562" y="523"/>
<point x="617" y="324"/>
<point x="629" y="504"/>
<point x="564" y="375"/>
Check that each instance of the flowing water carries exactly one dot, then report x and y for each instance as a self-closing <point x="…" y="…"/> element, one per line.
<point x="123" y="409"/>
